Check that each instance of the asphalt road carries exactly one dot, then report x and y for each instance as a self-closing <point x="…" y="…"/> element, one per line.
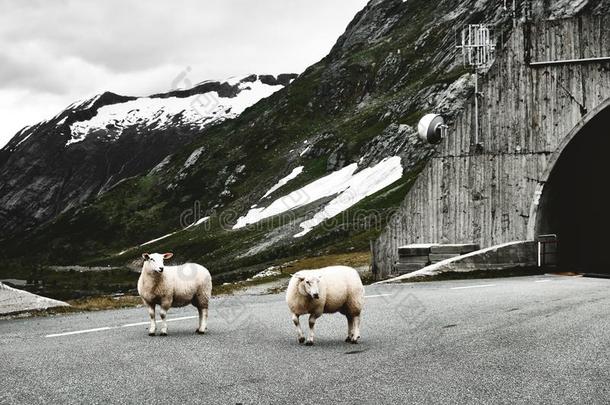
<point x="516" y="340"/>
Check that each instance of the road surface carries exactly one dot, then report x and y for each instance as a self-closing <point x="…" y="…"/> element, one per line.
<point x="543" y="339"/>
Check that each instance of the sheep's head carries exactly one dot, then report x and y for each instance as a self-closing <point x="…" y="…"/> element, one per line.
<point x="154" y="261"/>
<point x="309" y="284"/>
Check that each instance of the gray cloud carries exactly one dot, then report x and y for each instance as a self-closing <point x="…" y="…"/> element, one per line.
<point x="124" y="36"/>
<point x="63" y="50"/>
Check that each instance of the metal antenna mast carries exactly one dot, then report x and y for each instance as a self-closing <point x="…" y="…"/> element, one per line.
<point x="478" y="52"/>
<point x="514" y="11"/>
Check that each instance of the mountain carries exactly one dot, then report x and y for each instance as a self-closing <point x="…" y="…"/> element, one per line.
<point x="92" y="145"/>
<point x="316" y="167"/>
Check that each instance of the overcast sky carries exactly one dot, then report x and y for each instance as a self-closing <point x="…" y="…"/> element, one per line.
<point x="54" y="52"/>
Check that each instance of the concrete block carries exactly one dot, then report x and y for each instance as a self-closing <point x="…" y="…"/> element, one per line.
<point x="413" y="259"/>
<point x="437" y="257"/>
<point x="415" y="250"/>
<point x="403" y="268"/>
<point x="459" y="249"/>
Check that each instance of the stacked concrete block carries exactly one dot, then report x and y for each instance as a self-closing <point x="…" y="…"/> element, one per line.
<point x="443" y="252"/>
<point x="412" y="258"/>
<point x="415" y="257"/>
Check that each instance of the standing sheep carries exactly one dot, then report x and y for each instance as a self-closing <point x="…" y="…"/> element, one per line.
<point x="173" y="286"/>
<point x="326" y="291"/>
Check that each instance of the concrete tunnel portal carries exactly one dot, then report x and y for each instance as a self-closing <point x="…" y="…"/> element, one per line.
<point x="575" y="200"/>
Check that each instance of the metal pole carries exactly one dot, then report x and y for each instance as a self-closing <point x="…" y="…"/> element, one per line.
<point x="514" y="14"/>
<point x="571" y="61"/>
<point x="373" y="262"/>
<point x="476" y="106"/>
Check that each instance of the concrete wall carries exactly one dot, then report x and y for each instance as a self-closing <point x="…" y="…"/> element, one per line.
<point x="486" y="195"/>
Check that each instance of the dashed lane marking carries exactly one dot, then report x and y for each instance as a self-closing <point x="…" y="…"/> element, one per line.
<point x="378" y="295"/>
<point x="127" y="325"/>
<point x="473" y="286"/>
<point x="78" y="332"/>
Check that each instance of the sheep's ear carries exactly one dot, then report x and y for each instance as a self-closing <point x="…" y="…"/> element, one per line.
<point x="300" y="277"/>
<point x="145" y="256"/>
<point x="168" y="256"/>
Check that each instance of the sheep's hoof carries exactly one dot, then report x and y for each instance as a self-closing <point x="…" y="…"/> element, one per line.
<point x="354" y="342"/>
<point x="348" y="340"/>
<point x="151" y="333"/>
<point x="163" y="334"/>
<point x="309" y="343"/>
<point x="301" y="340"/>
<point x="200" y="332"/>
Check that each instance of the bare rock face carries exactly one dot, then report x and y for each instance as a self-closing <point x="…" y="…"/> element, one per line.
<point x="568" y="8"/>
<point x="370" y="25"/>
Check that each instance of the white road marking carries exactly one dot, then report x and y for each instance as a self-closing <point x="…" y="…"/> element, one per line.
<point x="127" y="325"/>
<point x="378" y="295"/>
<point x="473" y="286"/>
<point x="542" y="281"/>
<point x="183" y="318"/>
<point x="79" y="332"/>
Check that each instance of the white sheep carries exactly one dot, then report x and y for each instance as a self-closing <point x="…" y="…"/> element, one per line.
<point x="173" y="286"/>
<point x="326" y="291"/>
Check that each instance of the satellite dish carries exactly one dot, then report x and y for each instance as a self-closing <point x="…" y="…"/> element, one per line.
<point x="432" y="128"/>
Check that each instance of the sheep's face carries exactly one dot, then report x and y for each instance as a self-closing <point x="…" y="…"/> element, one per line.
<point x="154" y="261"/>
<point x="310" y="285"/>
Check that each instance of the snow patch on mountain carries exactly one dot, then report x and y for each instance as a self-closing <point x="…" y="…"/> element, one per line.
<point x="323" y="187"/>
<point x="150" y="242"/>
<point x="25" y="138"/>
<point x="349" y="186"/>
<point x="201" y="221"/>
<point x="361" y="185"/>
<point x="158" y="168"/>
<point x="83" y="104"/>
<point x="199" y="110"/>
<point x="193" y="158"/>
<point x="305" y="150"/>
<point x="283" y="181"/>
<point x="194" y="224"/>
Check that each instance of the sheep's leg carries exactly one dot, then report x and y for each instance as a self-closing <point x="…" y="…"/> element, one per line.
<point x="163" y="312"/>
<point x="356" y="330"/>
<point x="151" y="315"/>
<point x="203" y="320"/>
<point x="312" y="323"/>
<point x="297" y="324"/>
<point x="350" y="328"/>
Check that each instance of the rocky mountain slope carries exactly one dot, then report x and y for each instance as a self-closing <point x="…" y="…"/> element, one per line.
<point x="316" y="167"/>
<point x="92" y="145"/>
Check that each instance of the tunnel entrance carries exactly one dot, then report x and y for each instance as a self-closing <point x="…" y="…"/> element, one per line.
<point x="575" y="202"/>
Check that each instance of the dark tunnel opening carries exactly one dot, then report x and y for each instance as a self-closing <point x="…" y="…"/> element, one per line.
<point x="575" y="203"/>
